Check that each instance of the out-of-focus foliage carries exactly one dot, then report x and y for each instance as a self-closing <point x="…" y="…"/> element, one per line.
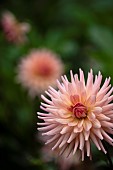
<point x="81" y="32"/>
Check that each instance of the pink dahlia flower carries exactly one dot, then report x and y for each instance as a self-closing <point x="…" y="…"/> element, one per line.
<point x="78" y="113"/>
<point x="38" y="70"/>
<point x="14" y="31"/>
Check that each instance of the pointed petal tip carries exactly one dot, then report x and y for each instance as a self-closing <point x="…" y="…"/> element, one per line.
<point x="99" y="149"/>
<point x="71" y="71"/>
<point x="46" y="143"/>
<point x="91" y="70"/>
<point x="61" y="133"/>
<point x="81" y="148"/>
<point x="109" y="78"/>
<point x="80" y="70"/>
<point x="42" y="95"/>
<point x="86" y="139"/>
<point x="43" y="134"/>
<point x="99" y="72"/>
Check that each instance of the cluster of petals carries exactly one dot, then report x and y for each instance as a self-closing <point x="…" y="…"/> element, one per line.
<point x="78" y="113"/>
<point x="39" y="69"/>
<point x="15" y="31"/>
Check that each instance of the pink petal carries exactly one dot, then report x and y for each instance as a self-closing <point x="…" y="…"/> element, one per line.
<point x="74" y="99"/>
<point x="80" y="123"/>
<point x="103" y="117"/>
<point x="102" y="147"/>
<point x="70" y="149"/>
<point x="97" y="110"/>
<point x="83" y="155"/>
<point x="98" y="133"/>
<point x="96" y="123"/>
<point x="107" y="137"/>
<point x="46" y="100"/>
<point x="72" y="78"/>
<point x="89" y="81"/>
<point x="79" y="87"/>
<point x="108" y="107"/>
<point x="94" y="139"/>
<point x="88" y="148"/>
<point x="86" y="135"/>
<point x="65" y="129"/>
<point x="54" y="131"/>
<point x="71" y="91"/>
<point x="91" y="100"/>
<point x="97" y="83"/>
<point x="107" y="124"/>
<point x="58" y="143"/>
<point x="64" y="121"/>
<point x="91" y="116"/>
<point x="101" y="103"/>
<point x="64" y="140"/>
<point x="87" y="125"/>
<point x="72" y="136"/>
<point x="82" y="77"/>
<point x="47" y="128"/>
<point x="83" y="97"/>
<point x="82" y="141"/>
<point x="76" y="145"/>
<point x="53" y="138"/>
<point x="73" y="123"/>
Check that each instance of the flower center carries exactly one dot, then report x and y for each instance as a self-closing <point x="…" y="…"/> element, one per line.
<point x="42" y="70"/>
<point x="79" y="110"/>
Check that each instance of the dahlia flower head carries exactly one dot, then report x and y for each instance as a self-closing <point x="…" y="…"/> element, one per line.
<point x="15" y="31"/>
<point x="38" y="70"/>
<point x="78" y="114"/>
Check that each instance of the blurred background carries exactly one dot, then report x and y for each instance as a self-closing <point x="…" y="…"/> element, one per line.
<point x="81" y="33"/>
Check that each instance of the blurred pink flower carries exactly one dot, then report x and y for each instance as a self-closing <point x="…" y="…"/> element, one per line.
<point x="62" y="162"/>
<point x="78" y="113"/>
<point x="38" y="70"/>
<point x="14" y="31"/>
